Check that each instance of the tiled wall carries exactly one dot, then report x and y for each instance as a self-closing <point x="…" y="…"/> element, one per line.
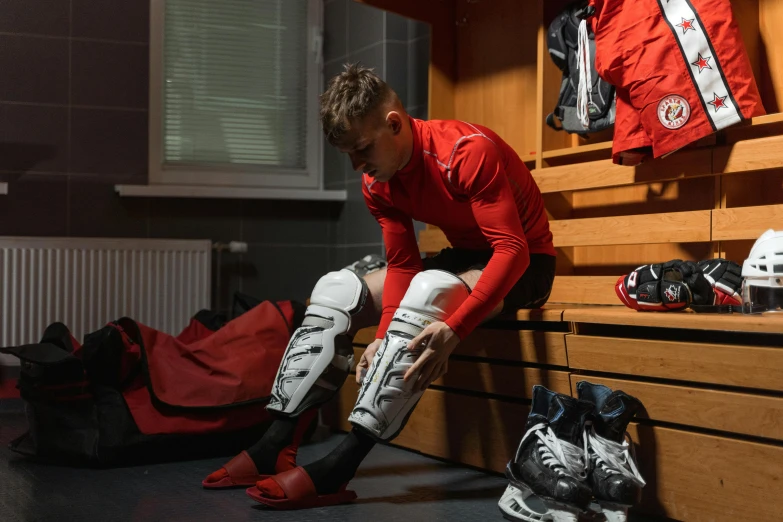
<point x="73" y="122"/>
<point x="398" y="49"/>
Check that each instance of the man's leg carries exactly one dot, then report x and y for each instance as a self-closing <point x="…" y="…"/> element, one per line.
<point x="384" y="402"/>
<point x="316" y="363"/>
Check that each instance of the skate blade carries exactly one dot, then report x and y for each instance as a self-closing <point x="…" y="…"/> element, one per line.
<point x="522" y="504"/>
<point x="609" y="512"/>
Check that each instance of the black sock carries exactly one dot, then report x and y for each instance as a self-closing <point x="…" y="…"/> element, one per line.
<point x="339" y="466"/>
<point x="279" y="435"/>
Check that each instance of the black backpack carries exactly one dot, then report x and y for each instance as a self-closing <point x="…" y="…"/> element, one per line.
<point x="562" y="42"/>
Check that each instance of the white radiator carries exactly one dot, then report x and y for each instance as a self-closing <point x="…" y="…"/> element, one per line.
<point x="87" y="282"/>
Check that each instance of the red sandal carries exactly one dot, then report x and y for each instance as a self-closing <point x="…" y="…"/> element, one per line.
<point x="300" y="492"/>
<point x="241" y="470"/>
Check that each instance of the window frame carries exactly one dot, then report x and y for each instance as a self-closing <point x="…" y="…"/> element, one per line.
<point x="225" y="175"/>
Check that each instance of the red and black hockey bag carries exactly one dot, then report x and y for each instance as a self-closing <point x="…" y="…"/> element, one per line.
<point x="133" y="394"/>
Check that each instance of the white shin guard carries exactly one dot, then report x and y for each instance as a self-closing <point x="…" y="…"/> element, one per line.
<point x="319" y="355"/>
<point x="385" y="401"/>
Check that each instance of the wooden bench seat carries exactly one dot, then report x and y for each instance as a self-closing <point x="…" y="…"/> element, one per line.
<point x="713" y="419"/>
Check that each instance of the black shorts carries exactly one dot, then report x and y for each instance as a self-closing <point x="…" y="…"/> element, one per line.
<point x="532" y="289"/>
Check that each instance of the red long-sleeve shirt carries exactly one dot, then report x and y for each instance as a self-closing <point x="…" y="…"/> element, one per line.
<point x="467" y="181"/>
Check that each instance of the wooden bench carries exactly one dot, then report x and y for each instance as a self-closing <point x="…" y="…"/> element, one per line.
<point x="710" y="442"/>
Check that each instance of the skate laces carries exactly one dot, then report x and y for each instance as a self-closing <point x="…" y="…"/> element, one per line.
<point x="613" y="457"/>
<point x="585" y="87"/>
<point x="559" y="455"/>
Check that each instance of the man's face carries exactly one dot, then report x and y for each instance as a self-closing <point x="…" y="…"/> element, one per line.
<point x="373" y="146"/>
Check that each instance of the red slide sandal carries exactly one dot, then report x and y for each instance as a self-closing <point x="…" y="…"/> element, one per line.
<point x="300" y="492"/>
<point x="239" y="471"/>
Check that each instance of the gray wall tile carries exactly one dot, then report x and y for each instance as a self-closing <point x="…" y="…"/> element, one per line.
<point x="418" y="72"/>
<point x="335" y="163"/>
<point x="33" y="138"/>
<point x="336" y="166"/>
<point x="111" y="142"/>
<point x="109" y="74"/>
<point x="336" y="29"/>
<point x="35" y="206"/>
<point x="345" y="255"/>
<point x="396" y="27"/>
<point x="96" y="210"/>
<point x="286" y="221"/>
<point x="216" y="220"/>
<point x="420" y="112"/>
<point x="417" y="29"/>
<point x="371" y="57"/>
<point x="127" y="20"/>
<point x="282" y="272"/>
<point x="355" y="224"/>
<point x="365" y="25"/>
<point x="48" y="17"/>
<point x="228" y="272"/>
<point x="33" y="69"/>
<point x="396" y="74"/>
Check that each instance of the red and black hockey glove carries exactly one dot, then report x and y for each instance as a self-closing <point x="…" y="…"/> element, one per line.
<point x="726" y="280"/>
<point x="673" y="285"/>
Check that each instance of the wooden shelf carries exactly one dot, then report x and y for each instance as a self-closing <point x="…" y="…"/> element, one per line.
<point x="742" y="156"/>
<point x="732" y="134"/>
<point x="577" y="151"/>
<point x="620" y="315"/>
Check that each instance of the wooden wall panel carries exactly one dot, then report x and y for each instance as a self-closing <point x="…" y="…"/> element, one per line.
<point x="743" y="413"/>
<point x="745" y="222"/>
<point x="751" y="366"/>
<point x="672" y="196"/>
<point x="600" y="261"/>
<point x="443" y="70"/>
<point x="496" y="69"/>
<point x="770" y="77"/>
<point x="597" y="290"/>
<point x="706" y="478"/>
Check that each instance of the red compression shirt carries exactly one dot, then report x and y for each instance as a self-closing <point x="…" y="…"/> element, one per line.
<point x="467" y="181"/>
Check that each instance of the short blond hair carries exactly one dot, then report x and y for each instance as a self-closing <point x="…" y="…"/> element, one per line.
<point x="352" y="94"/>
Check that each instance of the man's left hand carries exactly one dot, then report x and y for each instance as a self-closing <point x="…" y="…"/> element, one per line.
<point x="440" y="340"/>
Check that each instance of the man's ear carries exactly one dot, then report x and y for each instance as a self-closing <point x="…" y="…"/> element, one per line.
<point x="394" y="121"/>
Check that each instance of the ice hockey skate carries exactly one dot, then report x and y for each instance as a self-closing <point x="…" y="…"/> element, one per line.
<point x="549" y="471"/>
<point x="614" y="476"/>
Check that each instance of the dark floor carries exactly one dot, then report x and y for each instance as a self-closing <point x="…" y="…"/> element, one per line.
<point x="393" y="485"/>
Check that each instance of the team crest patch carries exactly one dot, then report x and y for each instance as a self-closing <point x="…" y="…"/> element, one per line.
<point x="673" y="111"/>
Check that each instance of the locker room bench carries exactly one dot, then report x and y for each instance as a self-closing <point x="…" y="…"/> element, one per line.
<point x="709" y="443"/>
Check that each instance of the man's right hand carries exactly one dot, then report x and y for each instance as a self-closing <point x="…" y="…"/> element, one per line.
<point x="366" y="359"/>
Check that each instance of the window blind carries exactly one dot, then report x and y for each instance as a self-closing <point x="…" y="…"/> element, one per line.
<point x="235" y="83"/>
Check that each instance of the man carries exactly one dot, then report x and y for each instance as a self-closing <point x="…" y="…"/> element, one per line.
<point x="461" y="177"/>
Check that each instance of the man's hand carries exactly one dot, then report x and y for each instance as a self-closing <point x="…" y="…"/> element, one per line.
<point x="440" y="340"/>
<point x="366" y="360"/>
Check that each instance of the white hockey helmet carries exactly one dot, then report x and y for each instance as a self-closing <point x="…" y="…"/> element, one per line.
<point x="762" y="274"/>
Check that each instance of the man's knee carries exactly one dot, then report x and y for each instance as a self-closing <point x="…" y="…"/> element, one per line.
<point x="385" y="401"/>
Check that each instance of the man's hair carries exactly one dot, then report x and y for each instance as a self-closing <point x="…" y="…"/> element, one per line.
<point x="352" y="94"/>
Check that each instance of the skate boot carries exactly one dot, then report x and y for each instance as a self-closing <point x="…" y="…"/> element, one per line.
<point x="549" y="470"/>
<point x="614" y="477"/>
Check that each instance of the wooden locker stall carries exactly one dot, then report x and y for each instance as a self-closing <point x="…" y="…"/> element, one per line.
<point x="710" y="442"/>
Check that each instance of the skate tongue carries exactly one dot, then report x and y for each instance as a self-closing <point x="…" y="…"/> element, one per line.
<point x="567" y="416"/>
<point x="615" y="414"/>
